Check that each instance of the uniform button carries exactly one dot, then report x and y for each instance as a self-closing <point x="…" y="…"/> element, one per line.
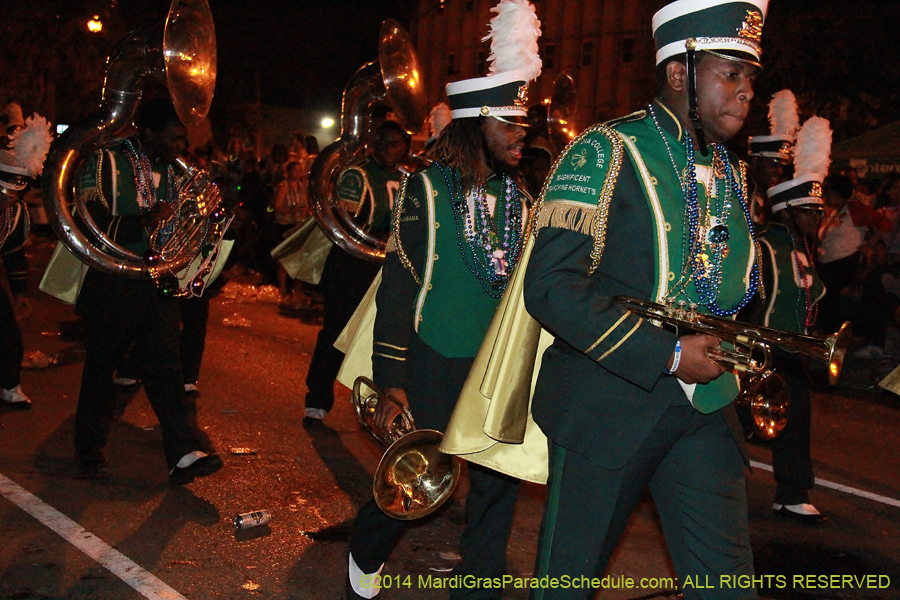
<point x="436" y="225"/>
<point x="671" y="276"/>
<point x="435" y="257"/>
<point x="668" y="226"/>
<point x="430" y="286"/>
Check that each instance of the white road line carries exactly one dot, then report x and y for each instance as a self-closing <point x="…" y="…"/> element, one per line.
<point x="118" y="564"/>
<point x="839" y="487"/>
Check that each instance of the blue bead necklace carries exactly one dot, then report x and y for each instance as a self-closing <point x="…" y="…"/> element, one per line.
<point x="493" y="256"/>
<point x="701" y="267"/>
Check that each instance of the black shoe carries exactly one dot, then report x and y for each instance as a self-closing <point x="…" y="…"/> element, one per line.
<point x="93" y="469"/>
<point x="201" y="467"/>
<point x="816" y="518"/>
<point x="311" y="423"/>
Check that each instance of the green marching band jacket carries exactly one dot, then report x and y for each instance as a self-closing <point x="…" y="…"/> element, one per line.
<point x="431" y="293"/>
<point x="368" y="190"/>
<point x="613" y="223"/>
<point x="787" y="275"/>
<point x="113" y="204"/>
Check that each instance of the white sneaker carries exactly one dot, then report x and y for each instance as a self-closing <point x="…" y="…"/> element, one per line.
<point x="124" y="381"/>
<point x="15" y="396"/>
<point x="190" y="388"/>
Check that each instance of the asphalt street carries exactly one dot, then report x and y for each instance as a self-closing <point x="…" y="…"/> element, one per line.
<point x="133" y="536"/>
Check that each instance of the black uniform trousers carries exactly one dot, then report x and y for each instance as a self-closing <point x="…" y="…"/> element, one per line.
<point x="694" y="469"/>
<point x="11" y="348"/>
<point x="119" y="310"/>
<point x="192" y="341"/>
<point x="791" y="462"/>
<point x="432" y="390"/>
<point x="345" y="280"/>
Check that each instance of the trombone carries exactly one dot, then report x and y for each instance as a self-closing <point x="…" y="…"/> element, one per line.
<point x="414" y="478"/>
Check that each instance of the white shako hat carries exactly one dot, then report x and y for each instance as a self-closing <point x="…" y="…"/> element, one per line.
<point x="727" y="28"/>
<point x="783" y="126"/>
<point x="812" y="157"/>
<point x="515" y="62"/>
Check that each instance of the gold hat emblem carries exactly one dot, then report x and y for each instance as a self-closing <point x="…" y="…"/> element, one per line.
<point x="485" y="111"/>
<point x="751" y="28"/>
<point x="815" y="189"/>
<point x="522" y="98"/>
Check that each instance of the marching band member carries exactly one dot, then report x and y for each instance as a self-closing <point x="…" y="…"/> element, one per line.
<point x="653" y="206"/>
<point x="128" y="189"/>
<point x="23" y="148"/>
<point x="793" y="289"/>
<point x="457" y="234"/>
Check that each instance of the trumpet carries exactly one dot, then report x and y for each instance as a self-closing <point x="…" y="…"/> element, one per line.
<point x="414" y="478"/>
<point x="749" y="341"/>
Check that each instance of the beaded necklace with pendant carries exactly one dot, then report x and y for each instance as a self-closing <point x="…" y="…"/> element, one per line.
<point x="493" y="256"/>
<point x="698" y="266"/>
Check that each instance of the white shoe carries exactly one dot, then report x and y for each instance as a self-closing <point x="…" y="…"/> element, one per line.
<point x="15" y="396"/>
<point x="124" y="381"/>
<point x="190" y="388"/>
<point x="316" y="413"/>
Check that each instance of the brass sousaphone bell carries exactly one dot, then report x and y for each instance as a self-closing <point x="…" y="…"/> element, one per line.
<point x="183" y="55"/>
<point x="414" y="478"/>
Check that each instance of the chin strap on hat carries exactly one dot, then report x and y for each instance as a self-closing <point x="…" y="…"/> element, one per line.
<point x="694" y="114"/>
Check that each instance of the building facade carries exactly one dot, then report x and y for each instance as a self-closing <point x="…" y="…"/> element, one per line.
<point x="606" y="46"/>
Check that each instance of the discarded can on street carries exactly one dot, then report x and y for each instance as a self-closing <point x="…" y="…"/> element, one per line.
<point x="256" y="518"/>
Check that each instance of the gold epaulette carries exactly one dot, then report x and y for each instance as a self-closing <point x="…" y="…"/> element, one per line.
<point x="576" y="216"/>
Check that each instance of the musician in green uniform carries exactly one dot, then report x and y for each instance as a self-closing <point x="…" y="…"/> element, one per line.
<point x="457" y="235"/>
<point x="367" y="190"/>
<point x="129" y="189"/>
<point x="650" y="206"/>
<point x="793" y="289"/>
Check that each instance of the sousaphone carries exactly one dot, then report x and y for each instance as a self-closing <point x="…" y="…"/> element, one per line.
<point x="393" y="81"/>
<point x="183" y="55"/>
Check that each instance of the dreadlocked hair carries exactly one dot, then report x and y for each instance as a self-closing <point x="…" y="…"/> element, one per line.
<point x="462" y="147"/>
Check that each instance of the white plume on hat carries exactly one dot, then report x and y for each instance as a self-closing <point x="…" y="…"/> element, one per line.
<point x="812" y="153"/>
<point x="514" y="34"/>
<point x="783" y="119"/>
<point x="440" y="117"/>
<point x="29" y="146"/>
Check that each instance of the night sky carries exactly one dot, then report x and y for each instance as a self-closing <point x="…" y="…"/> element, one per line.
<point x="300" y="52"/>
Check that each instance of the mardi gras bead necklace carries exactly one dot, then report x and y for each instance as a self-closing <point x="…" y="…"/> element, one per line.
<point x="494" y="255"/>
<point x="146" y="191"/>
<point x="703" y="267"/>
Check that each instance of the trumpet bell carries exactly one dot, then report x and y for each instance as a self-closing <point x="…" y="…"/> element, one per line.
<point x="839" y="343"/>
<point x="768" y="399"/>
<point x="414" y="478"/>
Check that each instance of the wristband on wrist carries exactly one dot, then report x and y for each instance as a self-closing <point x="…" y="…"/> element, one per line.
<point x="677" y="360"/>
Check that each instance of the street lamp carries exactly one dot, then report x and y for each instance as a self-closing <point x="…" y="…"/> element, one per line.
<point x="95" y="25"/>
<point x="327" y="123"/>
